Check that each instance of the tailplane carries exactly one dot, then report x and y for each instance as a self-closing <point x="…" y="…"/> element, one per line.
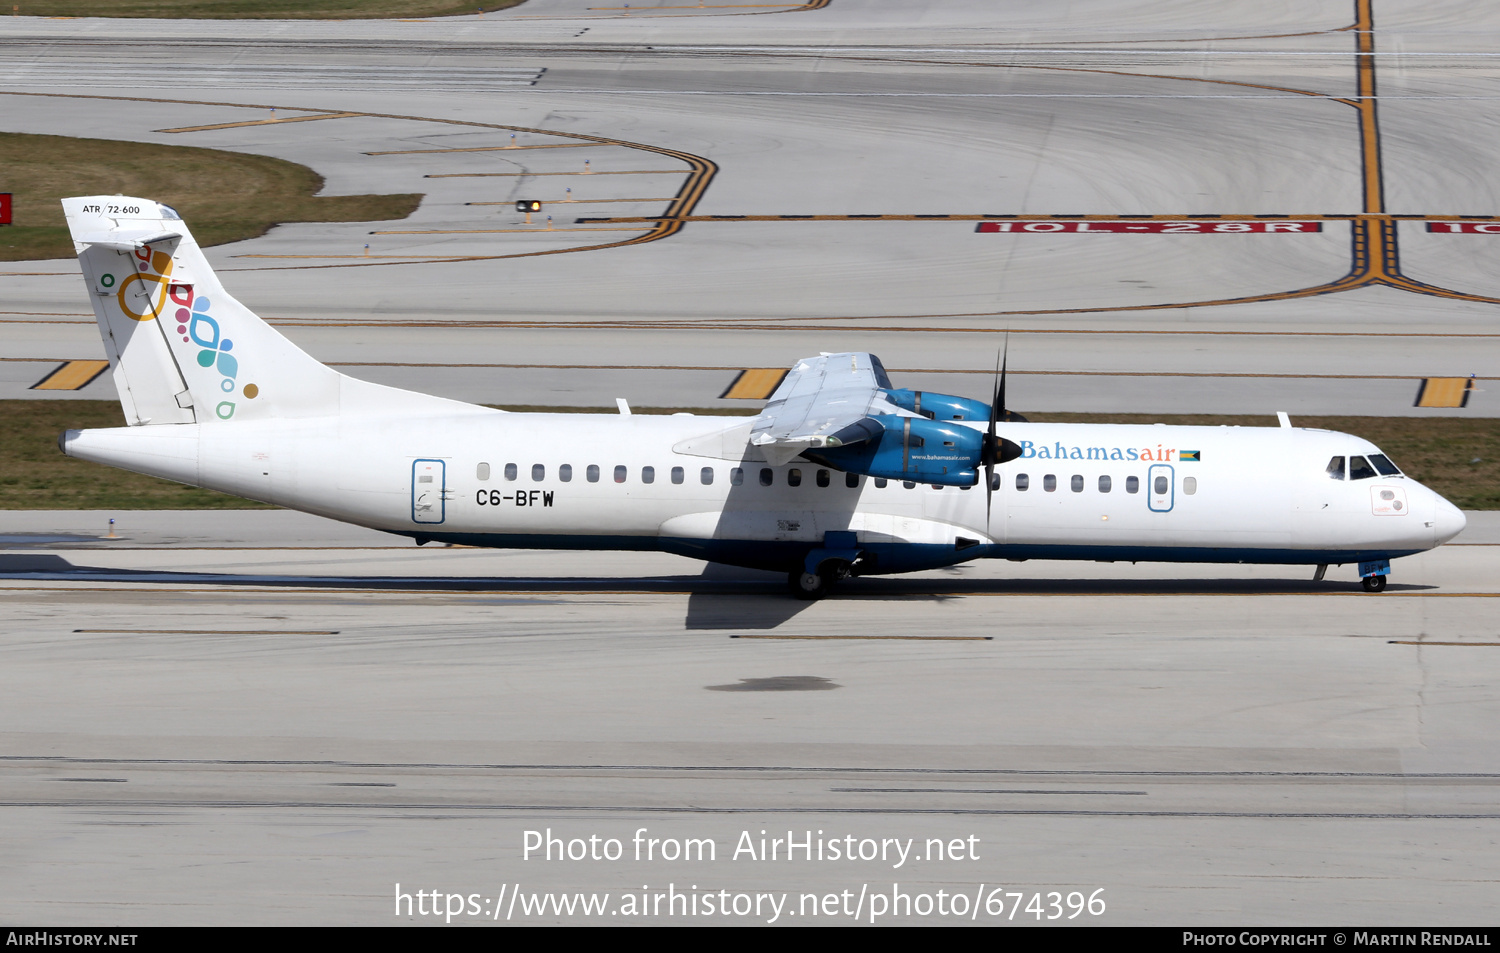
<point x="183" y="351"/>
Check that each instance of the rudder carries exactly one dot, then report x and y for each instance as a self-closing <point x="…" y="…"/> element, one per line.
<point x="182" y="349"/>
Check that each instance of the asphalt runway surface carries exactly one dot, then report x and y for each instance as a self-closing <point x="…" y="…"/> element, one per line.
<point x="254" y="717"/>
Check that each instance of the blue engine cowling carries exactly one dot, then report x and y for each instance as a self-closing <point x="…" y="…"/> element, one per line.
<point x="906" y="448"/>
<point x="939" y="406"/>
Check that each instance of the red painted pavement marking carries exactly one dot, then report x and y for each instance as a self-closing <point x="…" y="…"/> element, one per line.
<point x="1167" y="228"/>
<point x="1466" y="228"/>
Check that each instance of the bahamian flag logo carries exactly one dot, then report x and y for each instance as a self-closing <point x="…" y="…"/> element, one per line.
<point x="1187" y="456"/>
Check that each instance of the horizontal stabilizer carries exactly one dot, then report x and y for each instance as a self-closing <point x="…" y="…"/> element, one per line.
<point x="124" y="239"/>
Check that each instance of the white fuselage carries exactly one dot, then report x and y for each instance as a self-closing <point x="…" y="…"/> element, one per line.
<point x="667" y="482"/>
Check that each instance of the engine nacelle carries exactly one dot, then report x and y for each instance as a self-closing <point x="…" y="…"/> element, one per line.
<point x="939" y="406"/>
<point x="907" y="448"/>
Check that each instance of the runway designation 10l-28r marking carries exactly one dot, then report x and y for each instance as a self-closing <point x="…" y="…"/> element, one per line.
<point x="1152" y="228"/>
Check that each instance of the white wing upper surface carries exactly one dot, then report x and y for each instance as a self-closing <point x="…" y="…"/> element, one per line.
<point x="819" y="397"/>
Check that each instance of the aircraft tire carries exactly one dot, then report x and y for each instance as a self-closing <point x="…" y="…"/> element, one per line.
<point x="808" y="585"/>
<point x="1373" y="583"/>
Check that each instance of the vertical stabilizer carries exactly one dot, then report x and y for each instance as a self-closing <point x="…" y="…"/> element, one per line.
<point x="182" y="349"/>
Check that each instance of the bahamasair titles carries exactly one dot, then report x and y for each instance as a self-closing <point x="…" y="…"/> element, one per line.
<point x="841" y="473"/>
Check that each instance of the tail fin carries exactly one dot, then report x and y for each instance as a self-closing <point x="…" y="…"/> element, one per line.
<point x="183" y="350"/>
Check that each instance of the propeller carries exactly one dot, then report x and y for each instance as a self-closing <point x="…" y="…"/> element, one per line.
<point x="996" y="448"/>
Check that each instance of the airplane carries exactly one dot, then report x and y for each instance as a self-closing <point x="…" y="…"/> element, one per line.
<point x="841" y="474"/>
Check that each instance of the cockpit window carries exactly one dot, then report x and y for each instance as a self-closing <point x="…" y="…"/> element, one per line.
<point x="1384" y="464"/>
<point x="1360" y="469"/>
<point x="1336" y="468"/>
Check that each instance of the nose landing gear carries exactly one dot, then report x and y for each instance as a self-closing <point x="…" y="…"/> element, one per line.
<point x="1372" y="574"/>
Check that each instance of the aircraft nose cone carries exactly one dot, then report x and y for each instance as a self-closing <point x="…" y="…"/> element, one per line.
<point x="1447" y="522"/>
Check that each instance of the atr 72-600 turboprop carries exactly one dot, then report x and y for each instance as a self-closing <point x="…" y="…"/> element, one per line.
<point x="840" y="474"/>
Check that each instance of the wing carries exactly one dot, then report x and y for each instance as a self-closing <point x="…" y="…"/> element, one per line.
<point x="823" y="401"/>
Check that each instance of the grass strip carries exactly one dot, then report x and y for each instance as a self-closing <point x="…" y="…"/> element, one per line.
<point x="223" y="196"/>
<point x="255" y="9"/>
<point x="1456" y="456"/>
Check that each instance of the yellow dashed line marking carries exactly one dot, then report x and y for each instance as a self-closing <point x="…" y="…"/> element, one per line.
<point x="755" y="383"/>
<point x="260" y="122"/>
<point x="1444" y="392"/>
<point x="72" y="375"/>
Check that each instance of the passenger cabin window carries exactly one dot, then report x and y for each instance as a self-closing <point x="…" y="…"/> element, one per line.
<point x="565" y="473"/>
<point x="677" y="474"/>
<point x="620" y="474"/>
<point x="1105" y="484"/>
<point x="648" y="474"/>
<point x="538" y="472"/>
<point x="766" y="476"/>
<point x="823" y="478"/>
<point x="482" y="471"/>
<point x="851" y="480"/>
<point x="1336" y="468"/>
<point x="1190" y="485"/>
<point x="1360" y="469"/>
<point x="994" y="481"/>
<point x="706" y="476"/>
<point x="794" y="477"/>
<point x="1049" y="483"/>
<point x="511" y="471"/>
<point x="736" y="476"/>
<point x="1384" y="464"/>
<point x="592" y="473"/>
<point x="1023" y="482"/>
<point x="880" y="483"/>
<point x="1159" y="486"/>
<point x="1132" y="484"/>
<point x="909" y="484"/>
<point x="1077" y="483"/>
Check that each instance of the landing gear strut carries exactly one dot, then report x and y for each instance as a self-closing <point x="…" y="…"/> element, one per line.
<point x="1373" y="583"/>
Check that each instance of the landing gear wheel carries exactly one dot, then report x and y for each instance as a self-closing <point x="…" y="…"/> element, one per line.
<point x="1373" y="583"/>
<point x="808" y="585"/>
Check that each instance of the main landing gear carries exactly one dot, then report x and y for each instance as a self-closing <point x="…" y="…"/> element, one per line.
<point x="1373" y="583"/>
<point x="808" y="585"/>
<point x="816" y="585"/>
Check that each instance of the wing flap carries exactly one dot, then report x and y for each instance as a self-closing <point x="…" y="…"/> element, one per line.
<point x="823" y="402"/>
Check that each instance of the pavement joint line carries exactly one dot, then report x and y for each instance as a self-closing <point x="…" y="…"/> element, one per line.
<point x="516" y="175"/>
<point x="576" y="202"/>
<point x="207" y="631"/>
<point x="1489" y="645"/>
<point x="536" y="230"/>
<point x="311" y="588"/>
<point x="870" y="638"/>
<point x="545" y="145"/>
<point x="717" y="325"/>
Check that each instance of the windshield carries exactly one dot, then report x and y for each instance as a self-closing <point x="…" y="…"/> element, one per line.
<point x="1384" y="464"/>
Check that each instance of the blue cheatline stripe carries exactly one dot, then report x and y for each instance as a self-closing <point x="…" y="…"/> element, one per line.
<point x="907" y="557"/>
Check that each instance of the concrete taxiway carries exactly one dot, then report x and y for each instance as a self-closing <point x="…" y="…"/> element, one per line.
<point x="266" y="717"/>
<point x="723" y="191"/>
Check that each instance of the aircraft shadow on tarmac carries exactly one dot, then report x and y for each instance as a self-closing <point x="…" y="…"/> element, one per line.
<point x="718" y="598"/>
